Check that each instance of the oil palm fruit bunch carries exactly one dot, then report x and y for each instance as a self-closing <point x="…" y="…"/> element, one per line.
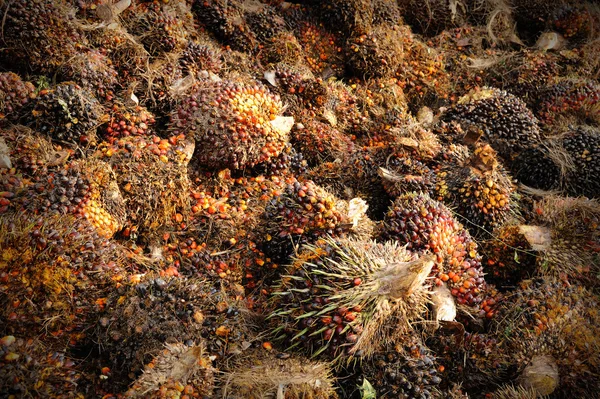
<point x="424" y="224"/>
<point x="550" y="318"/>
<point x="93" y="71"/>
<point x="583" y="148"/>
<point x="179" y="369"/>
<point x="374" y="53"/>
<point x="67" y="113"/>
<point x="504" y="120"/>
<point x="161" y="27"/>
<point x="574" y="101"/>
<point x="235" y="125"/>
<point x="14" y="94"/>
<point x="289" y="162"/>
<point x="40" y="34"/>
<point x="433" y="17"/>
<point x="349" y="297"/>
<point x="303" y="212"/>
<point x="31" y="154"/>
<point x="407" y="370"/>
<point x="127" y="120"/>
<point x="137" y="159"/>
<point x="297" y="86"/>
<point x="347" y="17"/>
<point x="148" y="312"/>
<point x="323" y="51"/>
<point x="536" y="168"/>
<point x="200" y="56"/>
<point x="258" y="373"/>
<point x="27" y="362"/>
<point x="265" y="22"/>
<point x="226" y="21"/>
<point x="320" y="142"/>
<point x="479" y="188"/>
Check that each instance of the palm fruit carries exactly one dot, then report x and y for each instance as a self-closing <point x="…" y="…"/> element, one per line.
<point x="374" y="53"/>
<point x="479" y="188"/>
<point x="322" y="50"/>
<point x="303" y="212"/>
<point x="258" y="374"/>
<point x="422" y="72"/>
<point x="574" y="21"/>
<point x="136" y="160"/>
<point x="320" y="142"/>
<point x="342" y="109"/>
<point x="406" y="370"/>
<point x="164" y="85"/>
<point x="386" y="13"/>
<point x="235" y="125"/>
<point x="53" y="271"/>
<point x="508" y="256"/>
<point x="297" y="86"/>
<point x="41" y="35"/>
<point x="424" y="224"/>
<point x="161" y="27"/>
<point x="198" y="57"/>
<point x="583" y="148"/>
<point x="93" y="71"/>
<point x="547" y="318"/>
<point x="433" y="17"/>
<point x="535" y="168"/>
<point x="349" y="297"/>
<point x="14" y="94"/>
<point x="534" y="16"/>
<point x="225" y="19"/>
<point x="178" y="368"/>
<point x="264" y="21"/>
<point x="28" y="367"/>
<point x="150" y="311"/>
<point x="352" y="17"/>
<point x="570" y="101"/>
<point x="67" y="113"/>
<point x="127" y="120"/>
<point x="284" y="47"/>
<point x="504" y="120"/>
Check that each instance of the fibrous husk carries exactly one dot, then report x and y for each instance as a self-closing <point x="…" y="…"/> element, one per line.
<point x="541" y="375"/>
<point x="262" y="376"/>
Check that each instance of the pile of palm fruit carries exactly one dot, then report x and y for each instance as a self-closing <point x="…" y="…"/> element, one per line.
<point x="310" y="199"/>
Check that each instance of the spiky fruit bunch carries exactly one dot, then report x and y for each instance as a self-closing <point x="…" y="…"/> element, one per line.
<point x="139" y="159"/>
<point x="348" y="17"/>
<point x="232" y="123"/>
<point x="303" y="211"/>
<point x="226" y="21"/>
<point x="283" y="47"/>
<point x="263" y="373"/>
<point x="506" y="122"/>
<point x="177" y="369"/>
<point x="408" y="174"/>
<point x="150" y="311"/>
<point x="320" y="142"/>
<point x="265" y="22"/>
<point x="164" y="85"/>
<point x="551" y="318"/>
<point x="583" y="148"/>
<point x="290" y="161"/>
<point x="198" y="57"/>
<point x="534" y="16"/>
<point x="374" y="53"/>
<point x="535" y="168"/>
<point x="570" y="100"/>
<point x="508" y="257"/>
<point x="93" y="71"/>
<point x="405" y="371"/>
<point x="349" y="297"/>
<point x="424" y="224"/>
<point x="67" y="113"/>
<point x="40" y="34"/>
<point x="294" y="85"/>
<point x="161" y="27"/>
<point x="574" y="22"/>
<point x="28" y="362"/>
<point x="128" y="120"/>
<point x="433" y="17"/>
<point x="32" y="154"/>
<point x="14" y="94"/>
<point x="479" y="189"/>
<point x="322" y="50"/>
